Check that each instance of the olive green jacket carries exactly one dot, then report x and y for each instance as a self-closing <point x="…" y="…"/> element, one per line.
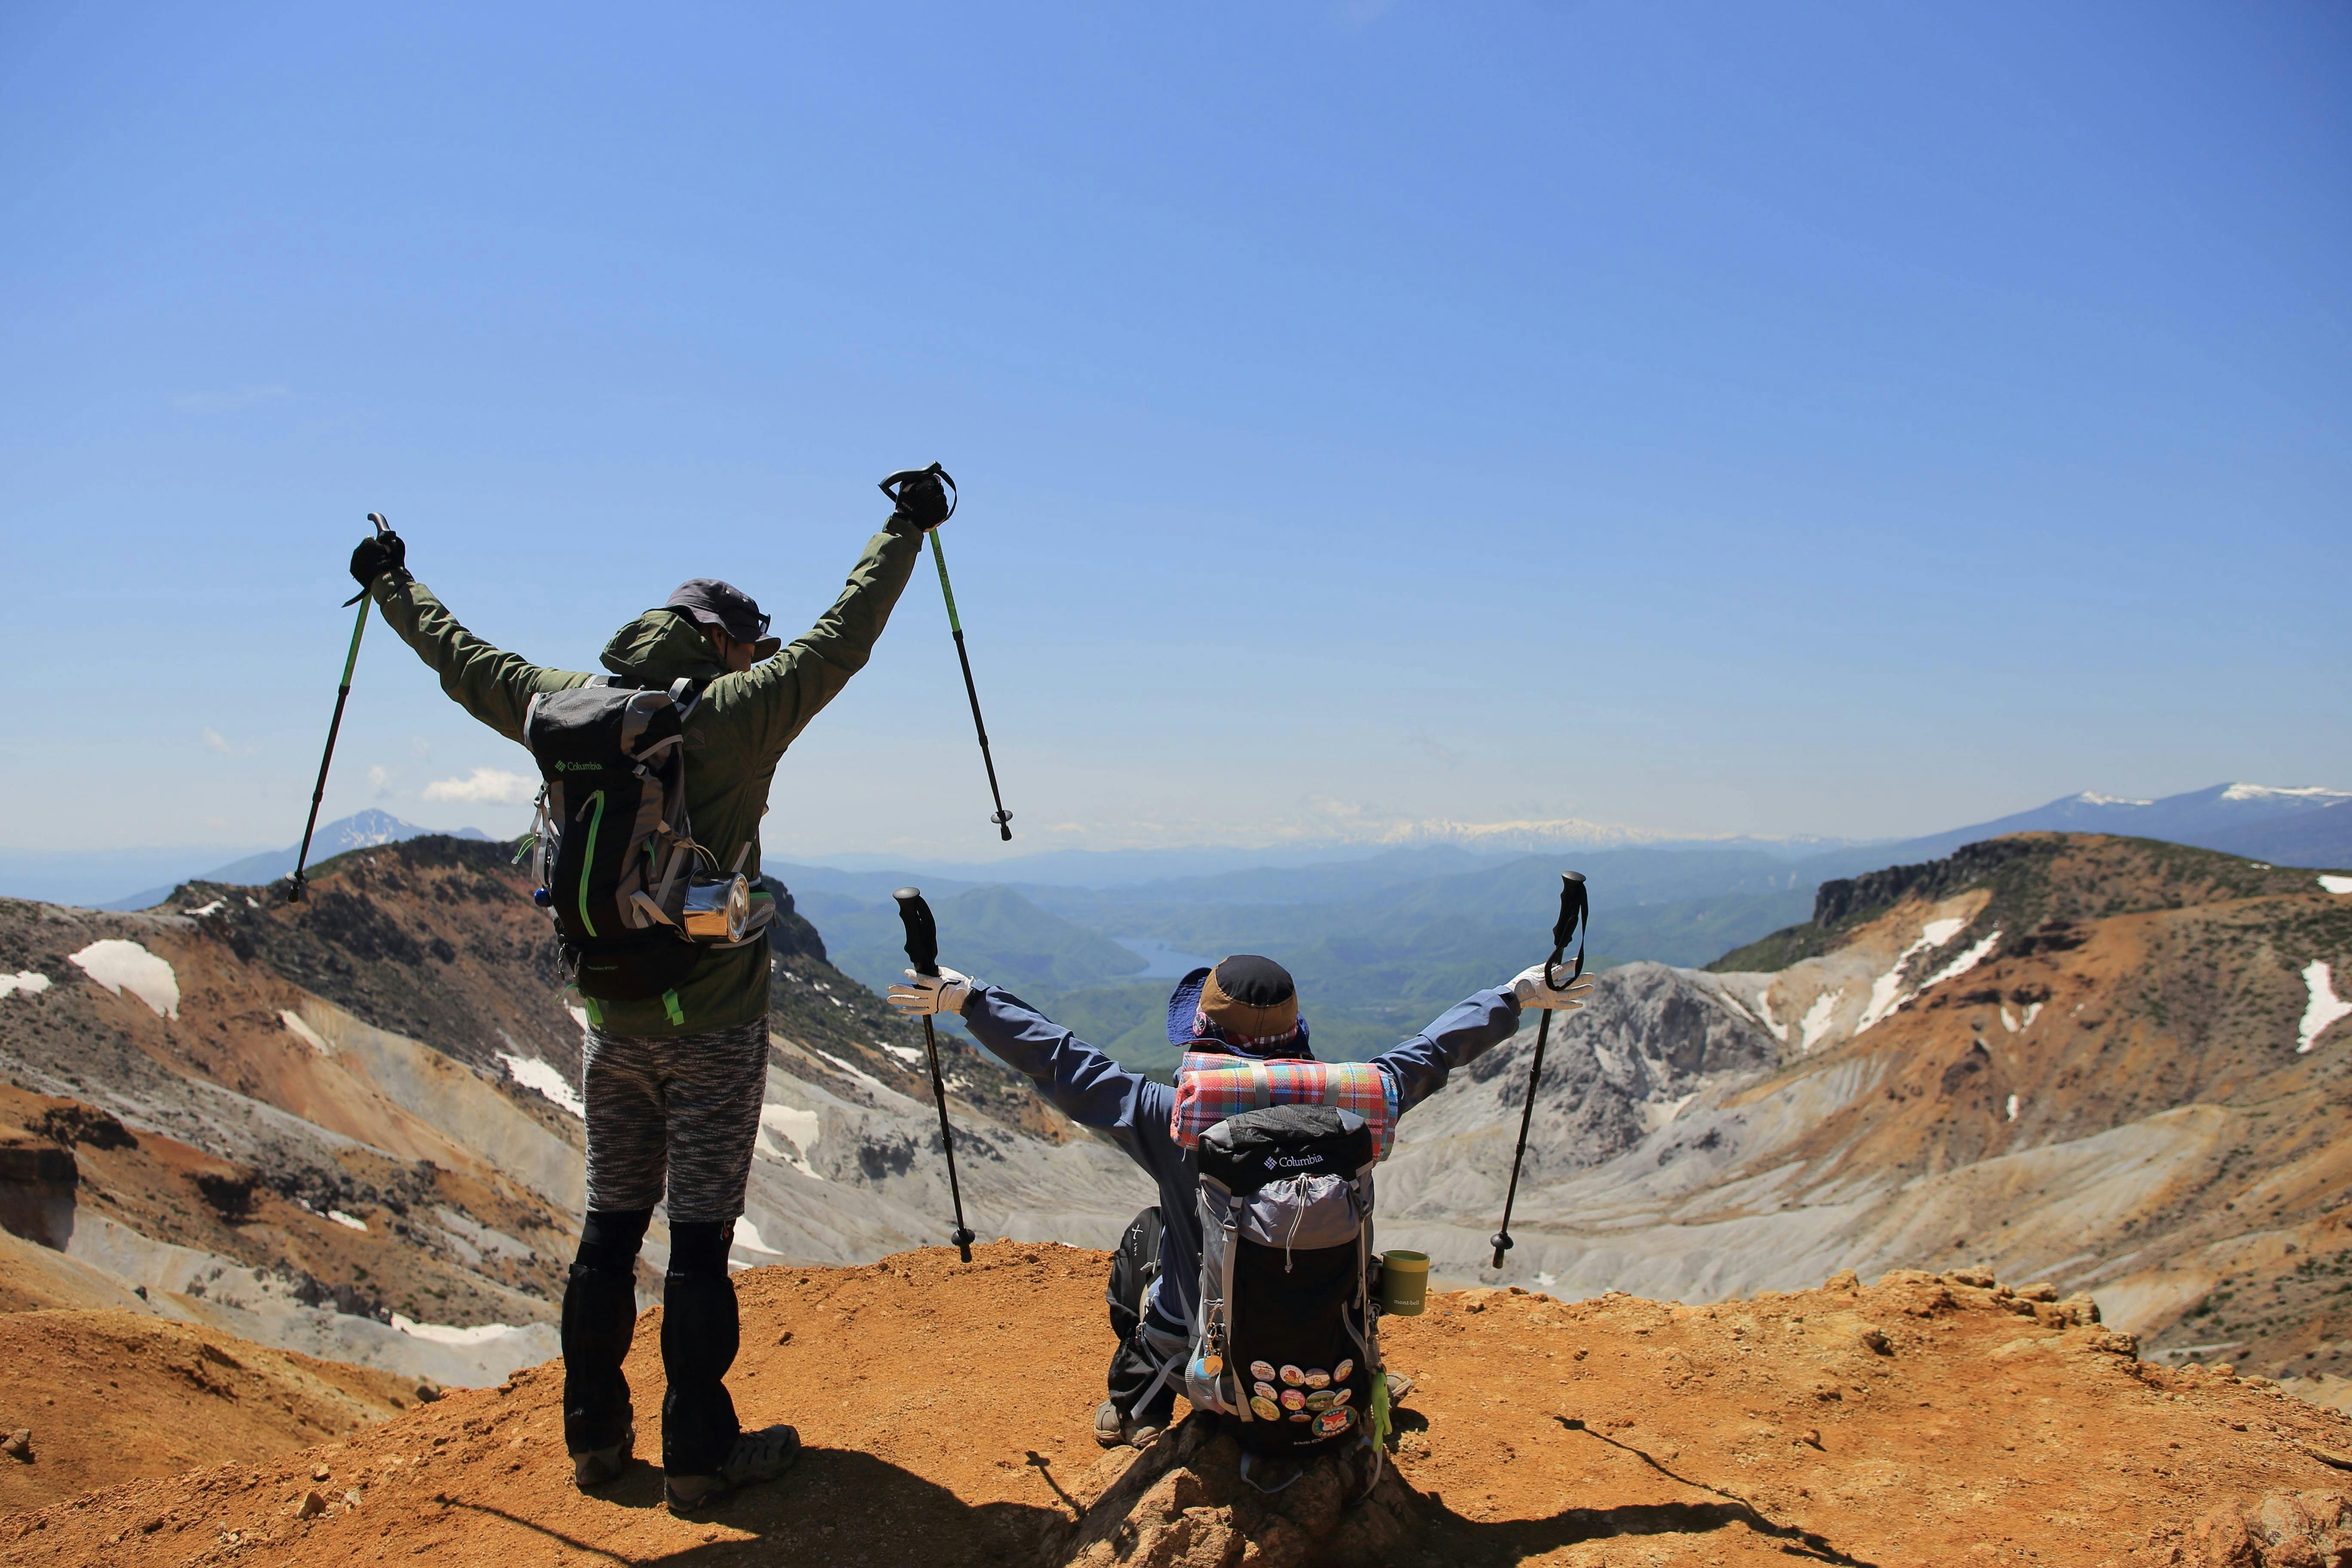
<point x="732" y="741"/>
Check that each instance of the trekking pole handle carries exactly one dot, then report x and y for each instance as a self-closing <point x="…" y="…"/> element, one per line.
<point x="891" y="486"/>
<point x="1574" y="910"/>
<point x="922" y="931"/>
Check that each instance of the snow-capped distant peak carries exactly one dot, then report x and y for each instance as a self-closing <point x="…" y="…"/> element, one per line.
<point x="2092" y="797"/>
<point x="2274" y="792"/>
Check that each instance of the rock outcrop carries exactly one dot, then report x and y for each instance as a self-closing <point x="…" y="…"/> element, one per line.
<point x="2103" y="1062"/>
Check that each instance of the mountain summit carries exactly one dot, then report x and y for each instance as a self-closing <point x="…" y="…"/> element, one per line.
<point x="367" y="829"/>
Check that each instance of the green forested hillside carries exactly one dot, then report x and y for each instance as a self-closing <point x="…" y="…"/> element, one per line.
<point x="1379" y="945"/>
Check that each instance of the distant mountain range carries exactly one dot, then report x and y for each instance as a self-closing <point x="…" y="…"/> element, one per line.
<point x="1382" y="942"/>
<point x="2289" y="826"/>
<point x="360" y="830"/>
<point x="1380" y="938"/>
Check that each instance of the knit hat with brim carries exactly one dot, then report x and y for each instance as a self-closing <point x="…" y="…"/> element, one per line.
<point x="1245" y="1005"/>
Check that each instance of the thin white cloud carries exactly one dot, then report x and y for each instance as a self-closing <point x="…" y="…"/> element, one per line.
<point x="493" y="786"/>
<point x="379" y="781"/>
<point x="216" y="742"/>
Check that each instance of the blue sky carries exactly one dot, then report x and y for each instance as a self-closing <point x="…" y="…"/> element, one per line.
<point x="1851" y="420"/>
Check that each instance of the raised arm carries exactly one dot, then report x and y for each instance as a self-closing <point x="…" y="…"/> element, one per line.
<point x="774" y="701"/>
<point x="1469" y="1029"/>
<point x="491" y="684"/>
<point x="1464" y="1033"/>
<point x="1086" y="1085"/>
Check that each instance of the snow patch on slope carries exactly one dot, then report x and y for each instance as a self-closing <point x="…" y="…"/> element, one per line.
<point x="447" y="1334"/>
<point x="747" y="1237"/>
<point x="546" y="1081"/>
<point x="122" y="966"/>
<point x="1819" y="1018"/>
<point x="860" y="1074"/>
<point x="799" y="1129"/>
<point x="2324" y="1008"/>
<point x="2275" y="791"/>
<point x="1886" y="992"/>
<point x="303" y="1032"/>
<point x="1966" y="962"/>
<point x="30" y="982"/>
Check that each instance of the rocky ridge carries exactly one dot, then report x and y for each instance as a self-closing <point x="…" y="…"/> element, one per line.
<point x="349" y="1127"/>
<point x="2064" y="1056"/>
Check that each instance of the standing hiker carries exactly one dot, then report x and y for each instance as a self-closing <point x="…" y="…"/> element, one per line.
<point x="675" y="1070"/>
<point x="1246" y="1007"/>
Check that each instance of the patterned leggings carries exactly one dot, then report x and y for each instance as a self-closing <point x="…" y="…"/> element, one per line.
<point x="680" y="1112"/>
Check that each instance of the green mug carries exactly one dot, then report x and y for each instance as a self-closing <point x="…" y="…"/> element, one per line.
<point x="1404" y="1283"/>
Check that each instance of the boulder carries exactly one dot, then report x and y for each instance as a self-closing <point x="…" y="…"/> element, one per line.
<point x="1182" y="1501"/>
<point x="2286" y="1530"/>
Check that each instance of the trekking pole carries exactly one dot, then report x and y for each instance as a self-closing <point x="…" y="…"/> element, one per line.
<point x="1003" y="818"/>
<point x="342" y="694"/>
<point x="1573" y="910"/>
<point x="923" y="953"/>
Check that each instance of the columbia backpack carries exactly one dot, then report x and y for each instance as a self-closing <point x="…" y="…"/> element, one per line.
<point x="636" y="900"/>
<point x="1286" y="1346"/>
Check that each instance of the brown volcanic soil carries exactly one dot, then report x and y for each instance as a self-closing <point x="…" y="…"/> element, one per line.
<point x="2132" y="987"/>
<point x="945" y="1409"/>
<point x="108" y="1397"/>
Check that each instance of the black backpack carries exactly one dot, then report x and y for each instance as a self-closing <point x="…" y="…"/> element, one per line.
<point x="636" y="900"/>
<point x="1286" y="1348"/>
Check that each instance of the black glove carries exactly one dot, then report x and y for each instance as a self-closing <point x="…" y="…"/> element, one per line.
<point x="923" y="502"/>
<point x="377" y="555"/>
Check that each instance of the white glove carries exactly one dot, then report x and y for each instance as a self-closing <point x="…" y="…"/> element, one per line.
<point x="928" y="993"/>
<point x="1529" y="987"/>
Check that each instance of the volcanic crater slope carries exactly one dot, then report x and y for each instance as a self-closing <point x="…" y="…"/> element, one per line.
<point x="945" y="1408"/>
<point x="2116" y="1064"/>
<point x="349" y="1127"/>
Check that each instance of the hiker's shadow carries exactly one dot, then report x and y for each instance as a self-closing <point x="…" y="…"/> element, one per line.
<point x="1470" y="1541"/>
<point x="838" y="1505"/>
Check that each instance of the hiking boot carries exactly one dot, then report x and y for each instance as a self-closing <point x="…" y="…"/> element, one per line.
<point x="1399" y="1386"/>
<point x="756" y="1456"/>
<point x="1113" y="1430"/>
<point x="598" y="1466"/>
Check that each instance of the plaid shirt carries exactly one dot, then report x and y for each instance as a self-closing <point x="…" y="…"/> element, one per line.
<point x="1211" y="1087"/>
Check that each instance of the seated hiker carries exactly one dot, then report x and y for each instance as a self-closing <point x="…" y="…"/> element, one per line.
<point x="1244" y="1010"/>
<point x="699" y="707"/>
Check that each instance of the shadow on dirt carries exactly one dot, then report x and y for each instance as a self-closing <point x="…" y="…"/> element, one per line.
<point x="834" y="1506"/>
<point x="1516" y="1540"/>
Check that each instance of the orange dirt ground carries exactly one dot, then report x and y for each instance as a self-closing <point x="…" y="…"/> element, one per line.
<point x="108" y="1397"/>
<point x="946" y="1409"/>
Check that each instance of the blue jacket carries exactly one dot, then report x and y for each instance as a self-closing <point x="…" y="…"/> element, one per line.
<point x="1096" y="1091"/>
